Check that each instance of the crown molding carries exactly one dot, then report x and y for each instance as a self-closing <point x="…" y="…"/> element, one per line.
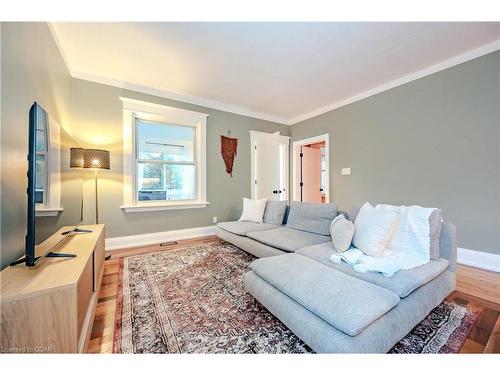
<point x="203" y="102"/>
<point x="456" y="60"/>
<point x="185" y="98"/>
<point x="59" y="47"/>
<point x="209" y="103"/>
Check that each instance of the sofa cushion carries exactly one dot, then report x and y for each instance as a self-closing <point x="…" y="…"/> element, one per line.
<point x="345" y="302"/>
<point x="243" y="227"/>
<point x="275" y="212"/>
<point x="287" y="239"/>
<point x="341" y="231"/>
<point x="312" y="217"/>
<point x="402" y="283"/>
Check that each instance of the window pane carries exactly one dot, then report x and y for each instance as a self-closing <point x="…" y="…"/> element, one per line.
<point x="158" y="181"/>
<point x="165" y="142"/>
<point x="40" y="178"/>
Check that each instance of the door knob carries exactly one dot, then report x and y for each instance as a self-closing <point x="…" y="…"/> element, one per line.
<point x="275" y="191"/>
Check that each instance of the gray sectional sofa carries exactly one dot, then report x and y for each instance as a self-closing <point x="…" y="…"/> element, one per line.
<point x="332" y="308"/>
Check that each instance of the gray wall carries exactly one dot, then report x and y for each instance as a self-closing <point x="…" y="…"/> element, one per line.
<point x="433" y="142"/>
<point x="97" y="121"/>
<point x="32" y="69"/>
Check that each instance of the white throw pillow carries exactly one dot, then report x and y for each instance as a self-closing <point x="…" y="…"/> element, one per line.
<point x="341" y="231"/>
<point x="413" y="235"/>
<point x="373" y="229"/>
<point x="253" y="210"/>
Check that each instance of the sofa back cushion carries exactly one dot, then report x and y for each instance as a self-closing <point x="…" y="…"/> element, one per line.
<point x="275" y="212"/>
<point x="312" y="217"/>
<point x="353" y="212"/>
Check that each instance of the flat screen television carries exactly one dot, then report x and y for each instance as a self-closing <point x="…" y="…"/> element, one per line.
<point x="37" y="138"/>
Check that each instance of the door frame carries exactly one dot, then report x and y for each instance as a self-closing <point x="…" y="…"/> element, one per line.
<point x="296" y="151"/>
<point x="283" y="140"/>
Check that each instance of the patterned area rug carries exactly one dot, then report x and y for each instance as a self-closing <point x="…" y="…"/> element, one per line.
<point x="192" y="300"/>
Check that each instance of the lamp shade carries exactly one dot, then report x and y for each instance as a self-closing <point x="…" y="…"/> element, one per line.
<point x="76" y="157"/>
<point x="95" y="159"/>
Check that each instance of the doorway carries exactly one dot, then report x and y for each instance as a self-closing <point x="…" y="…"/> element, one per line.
<point x="269" y="165"/>
<point x="311" y="175"/>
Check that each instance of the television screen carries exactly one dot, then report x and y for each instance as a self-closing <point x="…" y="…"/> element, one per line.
<point x="54" y="193"/>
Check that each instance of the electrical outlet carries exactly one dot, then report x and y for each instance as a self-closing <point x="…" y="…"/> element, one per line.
<point x="214" y="220"/>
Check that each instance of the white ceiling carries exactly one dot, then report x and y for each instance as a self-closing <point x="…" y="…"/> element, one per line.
<point x="284" y="72"/>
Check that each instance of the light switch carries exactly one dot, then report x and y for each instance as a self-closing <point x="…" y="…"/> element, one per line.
<point x="346" y="171"/>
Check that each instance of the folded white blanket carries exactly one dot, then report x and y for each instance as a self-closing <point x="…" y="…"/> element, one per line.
<point x="412" y="237"/>
<point x="387" y="265"/>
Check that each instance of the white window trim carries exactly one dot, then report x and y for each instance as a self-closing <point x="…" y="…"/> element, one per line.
<point x="133" y="108"/>
<point x="52" y="206"/>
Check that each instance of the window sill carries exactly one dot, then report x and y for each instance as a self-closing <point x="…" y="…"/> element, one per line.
<point x="164" y="206"/>
<point x="42" y="212"/>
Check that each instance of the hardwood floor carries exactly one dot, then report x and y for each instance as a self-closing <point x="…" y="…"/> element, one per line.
<point x="476" y="288"/>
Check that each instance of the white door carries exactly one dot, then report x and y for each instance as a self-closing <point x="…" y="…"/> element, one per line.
<point x="267" y="164"/>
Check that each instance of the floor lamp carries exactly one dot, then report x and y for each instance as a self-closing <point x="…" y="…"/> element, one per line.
<point x="96" y="160"/>
<point x="76" y="162"/>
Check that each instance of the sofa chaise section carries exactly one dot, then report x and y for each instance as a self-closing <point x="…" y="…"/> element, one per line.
<point x="324" y="335"/>
<point x="378" y="337"/>
<point x="345" y="302"/>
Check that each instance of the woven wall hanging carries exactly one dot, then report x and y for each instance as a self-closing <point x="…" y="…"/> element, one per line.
<point x="228" y="149"/>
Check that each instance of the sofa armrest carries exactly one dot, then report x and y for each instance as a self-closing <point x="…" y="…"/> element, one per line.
<point x="448" y="244"/>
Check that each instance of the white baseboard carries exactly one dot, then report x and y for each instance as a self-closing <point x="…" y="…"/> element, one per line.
<point x="478" y="259"/>
<point x="125" y="242"/>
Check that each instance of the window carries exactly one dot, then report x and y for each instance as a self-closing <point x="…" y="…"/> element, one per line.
<point x="164" y="157"/>
<point x="166" y="164"/>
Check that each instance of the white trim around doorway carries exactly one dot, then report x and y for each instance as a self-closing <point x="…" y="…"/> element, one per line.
<point x="296" y="149"/>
